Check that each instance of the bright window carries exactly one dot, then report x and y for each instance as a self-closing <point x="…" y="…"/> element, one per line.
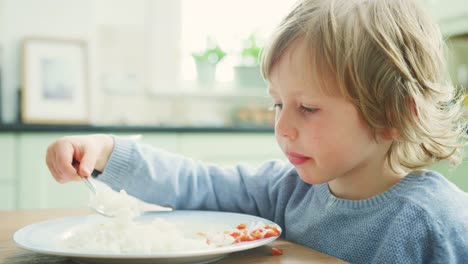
<point x="229" y="23"/>
<point x="148" y="44"/>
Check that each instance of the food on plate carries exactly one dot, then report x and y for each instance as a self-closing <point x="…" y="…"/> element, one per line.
<point x="158" y="236"/>
<point x="254" y="232"/>
<point x="276" y="251"/>
<point x="119" y="204"/>
<point x="123" y="234"/>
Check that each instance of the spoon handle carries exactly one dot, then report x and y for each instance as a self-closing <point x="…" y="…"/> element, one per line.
<point x="89" y="184"/>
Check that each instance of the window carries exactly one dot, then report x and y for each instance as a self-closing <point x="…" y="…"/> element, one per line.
<point x="229" y="23"/>
<point x="148" y="44"/>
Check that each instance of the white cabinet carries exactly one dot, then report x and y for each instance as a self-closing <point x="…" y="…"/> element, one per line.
<point x="167" y="141"/>
<point x="230" y="148"/>
<point x="36" y="186"/>
<point x="7" y="196"/>
<point x="7" y="172"/>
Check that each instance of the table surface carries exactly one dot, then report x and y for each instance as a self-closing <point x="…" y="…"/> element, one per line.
<point x="10" y="253"/>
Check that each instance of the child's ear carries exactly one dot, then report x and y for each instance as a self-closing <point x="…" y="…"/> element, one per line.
<point x="413" y="107"/>
<point x="390" y="133"/>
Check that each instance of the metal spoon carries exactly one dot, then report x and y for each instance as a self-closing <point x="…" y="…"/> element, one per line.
<point x="91" y="187"/>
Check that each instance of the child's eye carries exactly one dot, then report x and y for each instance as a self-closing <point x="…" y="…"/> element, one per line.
<point x="308" y="109"/>
<point x="276" y="106"/>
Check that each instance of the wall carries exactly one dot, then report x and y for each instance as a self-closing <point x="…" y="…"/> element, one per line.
<point x="81" y="19"/>
<point x="69" y="19"/>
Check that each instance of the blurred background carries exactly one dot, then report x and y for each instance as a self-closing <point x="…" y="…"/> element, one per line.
<point x="151" y="62"/>
<point x="183" y="73"/>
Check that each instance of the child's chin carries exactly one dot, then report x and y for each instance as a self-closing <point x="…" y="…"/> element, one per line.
<point x="310" y="179"/>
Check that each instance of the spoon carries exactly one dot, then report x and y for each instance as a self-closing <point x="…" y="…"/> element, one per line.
<point x="91" y="187"/>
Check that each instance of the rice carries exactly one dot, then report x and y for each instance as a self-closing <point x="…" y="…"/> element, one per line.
<point x="122" y="234"/>
<point x="118" y="204"/>
<point x="116" y="236"/>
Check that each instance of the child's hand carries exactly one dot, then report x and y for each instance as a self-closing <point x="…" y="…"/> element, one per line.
<point x="91" y="152"/>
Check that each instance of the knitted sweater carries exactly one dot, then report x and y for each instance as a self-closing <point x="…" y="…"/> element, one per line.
<point x="421" y="219"/>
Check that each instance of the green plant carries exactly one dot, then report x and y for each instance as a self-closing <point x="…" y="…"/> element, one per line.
<point x="211" y="55"/>
<point x="251" y="51"/>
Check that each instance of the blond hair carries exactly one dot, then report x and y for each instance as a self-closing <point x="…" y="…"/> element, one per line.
<point x="388" y="59"/>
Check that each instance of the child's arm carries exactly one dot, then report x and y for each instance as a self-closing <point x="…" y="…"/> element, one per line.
<point x="168" y="179"/>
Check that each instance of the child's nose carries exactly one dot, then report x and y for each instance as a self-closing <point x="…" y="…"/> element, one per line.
<point x="285" y="126"/>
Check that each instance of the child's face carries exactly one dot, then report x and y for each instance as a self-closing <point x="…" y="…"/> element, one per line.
<point x="321" y="133"/>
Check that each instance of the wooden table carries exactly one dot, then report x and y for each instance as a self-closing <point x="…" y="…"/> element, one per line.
<point x="10" y="253"/>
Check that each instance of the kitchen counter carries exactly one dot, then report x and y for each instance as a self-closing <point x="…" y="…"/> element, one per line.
<point x="130" y="129"/>
<point x="14" y="220"/>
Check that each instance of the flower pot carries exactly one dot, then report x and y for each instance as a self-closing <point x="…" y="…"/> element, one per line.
<point x="206" y="73"/>
<point x="249" y="77"/>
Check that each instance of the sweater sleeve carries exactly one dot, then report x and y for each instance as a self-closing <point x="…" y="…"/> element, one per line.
<point x="156" y="176"/>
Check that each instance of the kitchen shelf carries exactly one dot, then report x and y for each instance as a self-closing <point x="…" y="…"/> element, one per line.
<point x="32" y="128"/>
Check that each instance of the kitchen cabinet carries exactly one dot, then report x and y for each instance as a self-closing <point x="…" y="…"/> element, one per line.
<point x="7" y="172"/>
<point x="229" y="149"/>
<point x="35" y="186"/>
<point x="7" y="196"/>
<point x="167" y="141"/>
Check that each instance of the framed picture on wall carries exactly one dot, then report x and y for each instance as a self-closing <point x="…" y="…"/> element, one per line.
<point x="54" y="81"/>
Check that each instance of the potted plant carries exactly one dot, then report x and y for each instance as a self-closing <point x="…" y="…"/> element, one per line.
<point x="206" y="62"/>
<point x="247" y="72"/>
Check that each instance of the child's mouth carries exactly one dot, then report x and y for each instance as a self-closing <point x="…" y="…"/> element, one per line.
<point x="296" y="159"/>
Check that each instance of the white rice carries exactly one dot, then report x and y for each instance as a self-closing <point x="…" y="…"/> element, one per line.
<point x="121" y="234"/>
<point x="158" y="236"/>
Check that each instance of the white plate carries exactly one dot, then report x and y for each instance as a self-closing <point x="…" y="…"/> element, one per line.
<point x="42" y="238"/>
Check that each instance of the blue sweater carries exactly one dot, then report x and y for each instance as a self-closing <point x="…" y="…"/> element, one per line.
<point x="421" y="219"/>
